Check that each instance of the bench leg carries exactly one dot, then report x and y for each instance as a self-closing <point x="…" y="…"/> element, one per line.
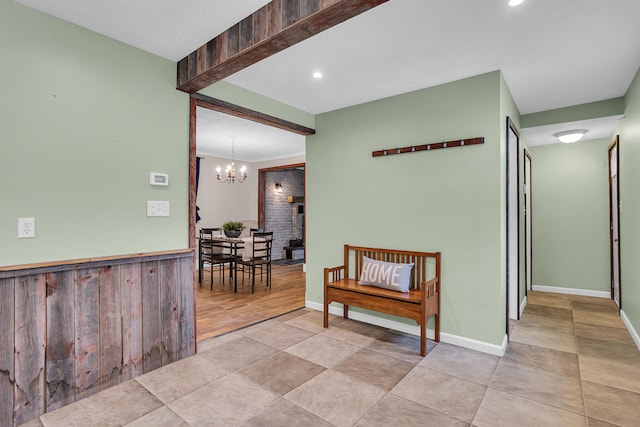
<point x="345" y="311"/>
<point x="326" y="315"/>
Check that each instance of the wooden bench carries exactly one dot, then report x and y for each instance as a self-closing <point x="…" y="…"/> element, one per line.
<point x="420" y="303"/>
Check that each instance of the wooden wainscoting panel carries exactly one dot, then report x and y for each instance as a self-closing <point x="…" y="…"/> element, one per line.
<point x="7" y="317"/>
<point x="169" y="310"/>
<point x="87" y="332"/>
<point x="70" y="329"/>
<point x="30" y="338"/>
<point x="110" y="326"/>
<point x="131" y="289"/>
<point x="151" y="322"/>
<point x="186" y="308"/>
<point x="60" y="384"/>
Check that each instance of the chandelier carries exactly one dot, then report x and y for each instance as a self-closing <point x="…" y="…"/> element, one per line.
<point x="230" y="176"/>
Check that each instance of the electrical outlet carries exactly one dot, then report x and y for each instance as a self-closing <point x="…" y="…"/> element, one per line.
<point x="26" y="227"/>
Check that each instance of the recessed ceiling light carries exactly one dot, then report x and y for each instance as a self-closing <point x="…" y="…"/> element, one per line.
<point x="515" y="2"/>
<point x="317" y="75"/>
<point x="570" y="136"/>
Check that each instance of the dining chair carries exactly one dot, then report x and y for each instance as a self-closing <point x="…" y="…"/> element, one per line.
<point x="212" y="252"/>
<point x="257" y="230"/>
<point x="258" y="256"/>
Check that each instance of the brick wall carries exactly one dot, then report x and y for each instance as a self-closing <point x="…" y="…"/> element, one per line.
<point x="279" y="212"/>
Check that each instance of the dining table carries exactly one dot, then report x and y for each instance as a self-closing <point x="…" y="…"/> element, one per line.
<point x="235" y="247"/>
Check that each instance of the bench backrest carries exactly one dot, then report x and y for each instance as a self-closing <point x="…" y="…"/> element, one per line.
<point x="426" y="264"/>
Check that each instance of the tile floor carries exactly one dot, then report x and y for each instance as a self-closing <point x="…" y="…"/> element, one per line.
<point x="570" y="362"/>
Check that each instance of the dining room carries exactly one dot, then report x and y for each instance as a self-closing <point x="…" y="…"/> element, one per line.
<point x="250" y="174"/>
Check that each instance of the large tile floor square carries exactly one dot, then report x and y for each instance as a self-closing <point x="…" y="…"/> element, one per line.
<point x="569" y="363"/>
<point x="336" y="397"/>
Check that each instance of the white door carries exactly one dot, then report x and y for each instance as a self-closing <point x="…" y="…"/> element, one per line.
<point x="527" y="222"/>
<point x="614" y="221"/>
<point x="512" y="221"/>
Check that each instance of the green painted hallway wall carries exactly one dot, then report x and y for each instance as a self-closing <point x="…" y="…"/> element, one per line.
<point x="446" y="200"/>
<point x="571" y="216"/>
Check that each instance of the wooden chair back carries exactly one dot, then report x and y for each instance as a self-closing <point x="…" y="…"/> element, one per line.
<point x="262" y="244"/>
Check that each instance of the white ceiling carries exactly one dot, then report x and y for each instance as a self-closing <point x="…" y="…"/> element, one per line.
<point x="253" y="141"/>
<point x="552" y="53"/>
<point x="167" y="28"/>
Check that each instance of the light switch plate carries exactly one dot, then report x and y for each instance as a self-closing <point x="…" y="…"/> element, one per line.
<point x="26" y="228"/>
<point x="157" y="208"/>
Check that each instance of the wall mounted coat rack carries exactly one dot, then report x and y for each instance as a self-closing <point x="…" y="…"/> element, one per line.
<point x="428" y="147"/>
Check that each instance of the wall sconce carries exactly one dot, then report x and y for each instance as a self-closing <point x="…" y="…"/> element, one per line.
<point x="278" y="187"/>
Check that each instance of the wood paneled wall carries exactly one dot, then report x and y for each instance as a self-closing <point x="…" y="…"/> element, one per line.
<point x="70" y="330"/>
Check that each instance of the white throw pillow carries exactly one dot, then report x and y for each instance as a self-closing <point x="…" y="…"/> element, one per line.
<point x="387" y="275"/>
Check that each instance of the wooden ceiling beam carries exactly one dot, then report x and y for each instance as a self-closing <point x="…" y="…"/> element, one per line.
<point x="273" y="28"/>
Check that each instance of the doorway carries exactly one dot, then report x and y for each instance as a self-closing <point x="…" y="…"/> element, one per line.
<point x="614" y="220"/>
<point x="218" y="308"/>
<point x="513" y="241"/>
<point x="528" y="233"/>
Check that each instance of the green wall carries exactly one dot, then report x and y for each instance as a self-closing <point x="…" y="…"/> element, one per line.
<point x="630" y="204"/>
<point x="446" y="200"/>
<point x="571" y="215"/>
<point x="592" y="110"/>
<point x="83" y="120"/>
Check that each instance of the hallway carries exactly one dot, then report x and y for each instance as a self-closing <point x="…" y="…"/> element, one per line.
<point x="570" y="362"/>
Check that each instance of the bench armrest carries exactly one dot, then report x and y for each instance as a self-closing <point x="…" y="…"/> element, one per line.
<point x="333" y="274"/>
<point x="430" y="288"/>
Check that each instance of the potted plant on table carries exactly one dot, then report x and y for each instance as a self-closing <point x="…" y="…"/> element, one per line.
<point x="232" y="228"/>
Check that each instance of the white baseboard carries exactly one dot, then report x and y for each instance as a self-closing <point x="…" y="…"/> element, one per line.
<point x="630" y="328"/>
<point x="484" y="347"/>
<point x="572" y="291"/>
<point x="523" y="305"/>
<point x="497" y="350"/>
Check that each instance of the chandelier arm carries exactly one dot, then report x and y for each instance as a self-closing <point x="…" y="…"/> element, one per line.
<point x="230" y="176"/>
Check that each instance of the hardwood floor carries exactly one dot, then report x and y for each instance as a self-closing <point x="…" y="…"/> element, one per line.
<point x="220" y="310"/>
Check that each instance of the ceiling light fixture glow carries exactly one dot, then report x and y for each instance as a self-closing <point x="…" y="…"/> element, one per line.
<point x="570" y="136"/>
<point x="317" y="75"/>
<point x="515" y="2"/>
<point x="230" y="176"/>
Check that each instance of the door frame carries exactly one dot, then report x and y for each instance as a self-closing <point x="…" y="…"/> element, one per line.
<point x="528" y="227"/>
<point x="615" y="143"/>
<point x="199" y="100"/>
<point x="510" y="263"/>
